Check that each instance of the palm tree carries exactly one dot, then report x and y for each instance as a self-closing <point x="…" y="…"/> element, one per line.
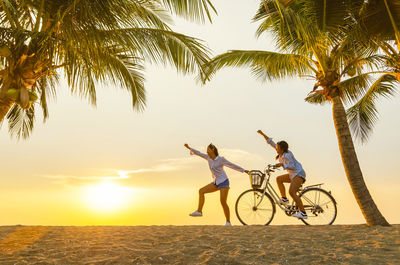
<point x="88" y="41"/>
<point x="314" y="39"/>
<point x="377" y="29"/>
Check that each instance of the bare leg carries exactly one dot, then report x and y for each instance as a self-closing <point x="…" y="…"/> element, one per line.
<point x="294" y="187"/>
<point x="206" y="189"/>
<point x="223" y="197"/>
<point x="279" y="181"/>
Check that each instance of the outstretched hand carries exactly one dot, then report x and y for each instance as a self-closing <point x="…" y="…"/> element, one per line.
<point x="246" y="171"/>
<point x="187" y="146"/>
<point x="262" y="133"/>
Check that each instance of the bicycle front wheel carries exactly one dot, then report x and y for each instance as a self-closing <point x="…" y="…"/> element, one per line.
<point x="255" y="208"/>
<point x="320" y="207"/>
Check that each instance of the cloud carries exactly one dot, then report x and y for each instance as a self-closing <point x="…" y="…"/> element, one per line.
<point x="78" y="180"/>
<point x="166" y="165"/>
<point x="238" y="156"/>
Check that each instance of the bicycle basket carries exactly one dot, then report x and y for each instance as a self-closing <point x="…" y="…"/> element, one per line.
<point x="256" y="178"/>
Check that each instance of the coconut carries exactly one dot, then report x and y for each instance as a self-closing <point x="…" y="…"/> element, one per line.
<point x="351" y="71"/>
<point x="24" y="97"/>
<point x="12" y="93"/>
<point x="5" y="51"/>
<point x="33" y="96"/>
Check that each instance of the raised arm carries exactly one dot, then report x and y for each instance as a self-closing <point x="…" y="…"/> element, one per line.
<point x="233" y="166"/>
<point x="268" y="139"/>
<point x="195" y="152"/>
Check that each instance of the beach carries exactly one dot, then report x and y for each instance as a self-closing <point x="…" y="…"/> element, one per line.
<point x="295" y="244"/>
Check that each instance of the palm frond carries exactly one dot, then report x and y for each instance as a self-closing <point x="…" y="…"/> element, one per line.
<point x="330" y="15"/>
<point x="374" y="61"/>
<point x="20" y="121"/>
<point x="316" y="98"/>
<point x="127" y="72"/>
<point x="363" y="115"/>
<point x="305" y="25"/>
<point x="11" y="13"/>
<point x="352" y="87"/>
<point x="92" y="61"/>
<point x="134" y="75"/>
<point x="263" y="64"/>
<point x="195" y="10"/>
<point x="289" y="30"/>
<point x="43" y="89"/>
<point x="82" y="83"/>
<point x="186" y="54"/>
<point x="394" y="16"/>
<point x="381" y="19"/>
<point x="104" y="14"/>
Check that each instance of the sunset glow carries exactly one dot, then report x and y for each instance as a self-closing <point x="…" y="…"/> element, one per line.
<point x="107" y="196"/>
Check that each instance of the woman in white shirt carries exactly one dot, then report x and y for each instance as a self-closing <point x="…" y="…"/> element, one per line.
<point x="221" y="181"/>
<point x="296" y="175"/>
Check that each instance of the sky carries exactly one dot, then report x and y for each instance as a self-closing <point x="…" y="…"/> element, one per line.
<point x="59" y="175"/>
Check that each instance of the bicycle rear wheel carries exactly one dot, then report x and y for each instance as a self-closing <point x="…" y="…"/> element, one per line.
<point x="320" y="206"/>
<point x="254" y="208"/>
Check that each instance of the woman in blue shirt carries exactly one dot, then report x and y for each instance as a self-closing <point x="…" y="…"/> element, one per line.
<point x="296" y="175"/>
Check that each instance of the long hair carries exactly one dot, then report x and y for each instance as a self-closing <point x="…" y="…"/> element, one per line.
<point x="283" y="146"/>
<point x="214" y="149"/>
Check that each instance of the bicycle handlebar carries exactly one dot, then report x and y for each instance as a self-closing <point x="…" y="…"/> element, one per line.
<point x="269" y="168"/>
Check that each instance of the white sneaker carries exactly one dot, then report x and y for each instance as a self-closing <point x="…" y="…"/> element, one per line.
<point x="196" y="214"/>
<point x="228" y="224"/>
<point x="283" y="201"/>
<point x="300" y="215"/>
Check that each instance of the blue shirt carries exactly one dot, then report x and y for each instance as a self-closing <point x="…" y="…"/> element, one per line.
<point x="290" y="163"/>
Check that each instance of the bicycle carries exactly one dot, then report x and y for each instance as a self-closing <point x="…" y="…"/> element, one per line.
<point x="256" y="206"/>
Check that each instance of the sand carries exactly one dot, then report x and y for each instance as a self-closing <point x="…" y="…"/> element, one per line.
<point x="297" y="244"/>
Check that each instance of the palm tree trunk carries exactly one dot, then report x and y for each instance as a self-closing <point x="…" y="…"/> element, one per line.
<point x="353" y="171"/>
<point x="5" y="105"/>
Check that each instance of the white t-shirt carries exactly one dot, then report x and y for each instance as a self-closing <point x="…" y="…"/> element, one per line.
<point x="216" y="166"/>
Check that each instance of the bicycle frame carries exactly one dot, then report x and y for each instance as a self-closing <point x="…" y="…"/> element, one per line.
<point x="318" y="203"/>
<point x="270" y="190"/>
<point x="275" y="196"/>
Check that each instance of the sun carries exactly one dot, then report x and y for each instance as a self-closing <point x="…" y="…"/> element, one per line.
<point x="107" y="196"/>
